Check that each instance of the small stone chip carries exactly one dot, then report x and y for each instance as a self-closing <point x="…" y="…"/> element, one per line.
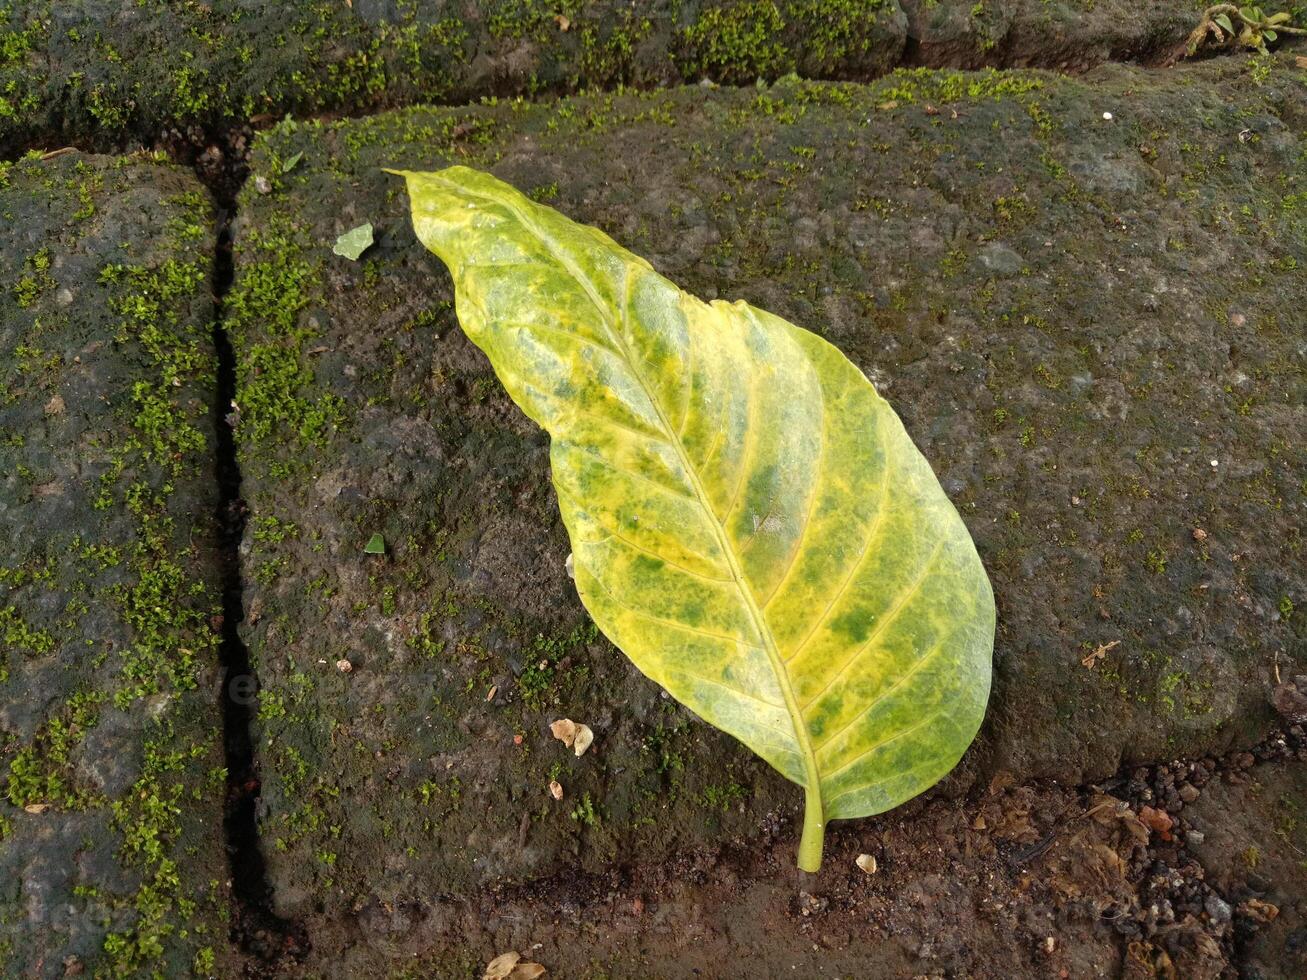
<point x="867" y="862"/>
<point x="555" y="789"/>
<point x="344" y="666"/>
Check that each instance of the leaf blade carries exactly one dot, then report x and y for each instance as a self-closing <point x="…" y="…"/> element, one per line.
<point x="722" y="475"/>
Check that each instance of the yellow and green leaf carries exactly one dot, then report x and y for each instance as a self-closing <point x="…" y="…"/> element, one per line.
<point x="750" y="522"/>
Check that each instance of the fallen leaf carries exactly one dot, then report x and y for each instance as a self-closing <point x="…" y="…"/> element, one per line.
<point x="291" y="161"/>
<point x="354" y="242"/>
<point x="563" y="22"/>
<point x="1098" y="654"/>
<point x="54" y="406"/>
<point x="502" y="965"/>
<point x="527" y="971"/>
<point x="490" y="694"/>
<point x="1300" y="61"/>
<point x="36" y="807"/>
<point x="555" y="789"/>
<point x="376" y="545"/>
<point x="344" y="666"/>
<point x="867" y="862"/>
<point x="1200" y="534"/>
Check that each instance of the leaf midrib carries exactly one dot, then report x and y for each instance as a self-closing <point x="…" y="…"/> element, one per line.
<point x="800" y="727"/>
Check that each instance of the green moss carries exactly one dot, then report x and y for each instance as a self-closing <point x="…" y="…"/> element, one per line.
<point x="586" y="812"/>
<point x="919" y="85"/>
<point x="35" y="281"/>
<point x="539" y="679"/>
<point x="273" y="374"/>
<point x="737" y="42"/>
<point x="149" y="818"/>
<point x="40" y="774"/>
<point x="835" y="32"/>
<point x="723" y="797"/>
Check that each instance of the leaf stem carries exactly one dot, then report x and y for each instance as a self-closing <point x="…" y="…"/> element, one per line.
<point x="814" y="830"/>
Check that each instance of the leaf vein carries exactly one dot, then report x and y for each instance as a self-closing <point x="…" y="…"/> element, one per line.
<point x="889" y="617"/>
<point x="903" y="733"/>
<point x="907" y="676"/>
<point x="610" y="532"/>
<point x="793" y="558"/>
<point x="873" y="534"/>
<point x="662" y="620"/>
<point x="609" y="464"/>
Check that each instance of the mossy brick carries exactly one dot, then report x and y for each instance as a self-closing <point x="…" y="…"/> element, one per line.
<point x="111" y="764"/>
<point x="100" y="73"/>
<point x="1115" y="413"/>
<point x="1069" y="35"/>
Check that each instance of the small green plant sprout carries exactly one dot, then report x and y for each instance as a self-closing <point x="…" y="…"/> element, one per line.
<point x="1227" y="26"/>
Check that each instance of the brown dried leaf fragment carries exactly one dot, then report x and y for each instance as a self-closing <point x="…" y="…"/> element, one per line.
<point x="576" y="737"/>
<point x="501" y="966"/>
<point x="1102" y="651"/>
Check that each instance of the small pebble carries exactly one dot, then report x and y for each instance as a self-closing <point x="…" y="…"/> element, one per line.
<point x="1217" y="908"/>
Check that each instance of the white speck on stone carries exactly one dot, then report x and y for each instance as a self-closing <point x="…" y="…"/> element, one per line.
<point x="1216" y="463"/>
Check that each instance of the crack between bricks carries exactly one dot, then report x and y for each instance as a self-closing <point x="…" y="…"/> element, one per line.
<point x="264" y="938"/>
